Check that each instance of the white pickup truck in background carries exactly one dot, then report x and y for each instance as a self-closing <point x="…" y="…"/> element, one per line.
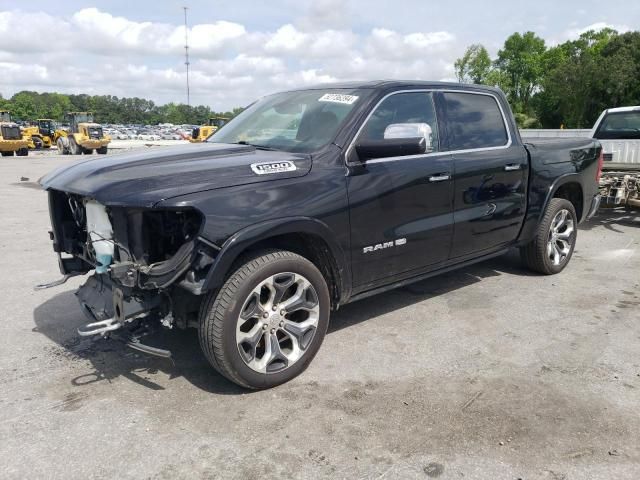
<point x="618" y="130"/>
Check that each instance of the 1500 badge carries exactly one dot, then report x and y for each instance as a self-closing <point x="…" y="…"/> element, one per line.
<point x="381" y="246"/>
<point x="273" y="167"/>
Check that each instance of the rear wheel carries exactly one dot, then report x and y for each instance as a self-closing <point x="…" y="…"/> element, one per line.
<point x="22" y="152"/>
<point x="7" y="154"/>
<point x="37" y="142"/>
<point x="87" y="151"/>
<point x="268" y="320"/>
<point x="101" y="150"/>
<point x="551" y="249"/>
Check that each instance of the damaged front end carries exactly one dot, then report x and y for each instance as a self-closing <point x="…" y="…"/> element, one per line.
<point x="150" y="264"/>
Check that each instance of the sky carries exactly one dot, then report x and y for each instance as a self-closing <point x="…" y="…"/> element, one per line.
<point x="241" y="50"/>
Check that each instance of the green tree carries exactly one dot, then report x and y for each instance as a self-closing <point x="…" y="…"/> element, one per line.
<point x="522" y="61"/>
<point x="25" y="105"/>
<point x="474" y="66"/>
<point x="620" y="57"/>
<point x="583" y="77"/>
<point x="28" y="105"/>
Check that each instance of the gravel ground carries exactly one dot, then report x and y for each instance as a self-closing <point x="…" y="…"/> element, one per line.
<point x="485" y="373"/>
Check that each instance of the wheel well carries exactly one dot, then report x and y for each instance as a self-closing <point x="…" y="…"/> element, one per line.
<point x="572" y="191"/>
<point x="314" y="249"/>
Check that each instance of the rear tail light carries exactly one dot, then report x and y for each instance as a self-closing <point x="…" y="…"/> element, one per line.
<point x="600" y="165"/>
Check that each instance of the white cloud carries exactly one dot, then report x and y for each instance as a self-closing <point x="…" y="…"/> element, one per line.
<point x="574" y="33"/>
<point x="287" y="38"/>
<point x="96" y="52"/>
<point x="388" y="44"/>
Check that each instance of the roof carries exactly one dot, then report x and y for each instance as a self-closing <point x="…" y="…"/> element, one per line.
<point x="623" y="109"/>
<point x="383" y="84"/>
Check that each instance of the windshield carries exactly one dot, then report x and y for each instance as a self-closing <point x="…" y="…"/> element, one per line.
<point x="620" y="125"/>
<point x="45" y="125"/>
<point x="302" y="121"/>
<point x="82" y="117"/>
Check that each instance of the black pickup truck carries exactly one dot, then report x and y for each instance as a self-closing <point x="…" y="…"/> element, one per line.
<point x="306" y="201"/>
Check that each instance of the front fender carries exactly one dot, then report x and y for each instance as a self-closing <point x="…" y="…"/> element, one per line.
<point x="245" y="238"/>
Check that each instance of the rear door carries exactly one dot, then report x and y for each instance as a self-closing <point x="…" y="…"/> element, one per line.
<point x="490" y="173"/>
<point x="400" y="207"/>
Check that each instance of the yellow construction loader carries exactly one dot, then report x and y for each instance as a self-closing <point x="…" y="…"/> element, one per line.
<point x="11" y="138"/>
<point x="42" y="133"/>
<point x="84" y="135"/>
<point x="200" y="134"/>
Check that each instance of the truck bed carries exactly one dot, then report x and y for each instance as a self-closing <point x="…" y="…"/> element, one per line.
<point x="562" y="150"/>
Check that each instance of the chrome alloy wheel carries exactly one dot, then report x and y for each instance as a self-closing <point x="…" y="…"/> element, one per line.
<point x="560" y="237"/>
<point x="277" y="322"/>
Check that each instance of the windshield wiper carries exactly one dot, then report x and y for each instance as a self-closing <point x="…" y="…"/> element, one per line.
<point x="257" y="147"/>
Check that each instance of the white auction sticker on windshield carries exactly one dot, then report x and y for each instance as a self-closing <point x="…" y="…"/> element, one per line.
<point x="338" y="98"/>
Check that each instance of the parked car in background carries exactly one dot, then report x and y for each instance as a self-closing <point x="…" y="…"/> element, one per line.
<point x="618" y="130"/>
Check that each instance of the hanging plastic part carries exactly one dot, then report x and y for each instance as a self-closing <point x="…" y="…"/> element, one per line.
<point x="55" y="283"/>
<point x="99" y="328"/>
<point x="134" y="343"/>
<point x="101" y="234"/>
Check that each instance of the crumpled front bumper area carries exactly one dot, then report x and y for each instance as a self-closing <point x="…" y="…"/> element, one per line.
<point x="110" y="307"/>
<point x="102" y="300"/>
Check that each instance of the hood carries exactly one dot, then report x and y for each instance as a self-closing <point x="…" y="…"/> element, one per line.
<point x="144" y="179"/>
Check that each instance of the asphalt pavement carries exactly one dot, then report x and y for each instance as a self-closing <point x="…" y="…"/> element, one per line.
<point x="490" y="372"/>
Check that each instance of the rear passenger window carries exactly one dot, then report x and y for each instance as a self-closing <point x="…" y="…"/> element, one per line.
<point x="475" y="121"/>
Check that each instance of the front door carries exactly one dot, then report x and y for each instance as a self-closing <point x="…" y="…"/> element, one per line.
<point x="400" y="207"/>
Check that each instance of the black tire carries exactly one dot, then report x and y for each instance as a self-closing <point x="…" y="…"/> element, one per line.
<point x="87" y="151"/>
<point x="535" y="255"/>
<point x="62" y="150"/>
<point x="101" y="150"/>
<point x="74" y="148"/>
<point x="22" y="152"/>
<point x="37" y="143"/>
<point x="220" y="313"/>
<point x="7" y="154"/>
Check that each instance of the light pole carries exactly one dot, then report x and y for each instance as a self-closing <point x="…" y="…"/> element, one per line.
<point x="186" y="52"/>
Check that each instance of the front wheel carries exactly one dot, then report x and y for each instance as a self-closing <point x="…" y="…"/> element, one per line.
<point x="268" y="320"/>
<point x="74" y="148"/>
<point x="101" y="150"/>
<point x="62" y="148"/>
<point x="551" y="249"/>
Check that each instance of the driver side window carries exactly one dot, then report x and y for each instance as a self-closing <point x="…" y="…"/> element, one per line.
<point x="404" y="108"/>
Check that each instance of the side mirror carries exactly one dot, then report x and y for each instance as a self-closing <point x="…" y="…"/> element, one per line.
<point x="410" y="130"/>
<point x="400" y="139"/>
<point x="393" y="147"/>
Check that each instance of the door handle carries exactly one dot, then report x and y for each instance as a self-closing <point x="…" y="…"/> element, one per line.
<point x="512" y="166"/>
<point x="440" y="177"/>
<point x="491" y="208"/>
